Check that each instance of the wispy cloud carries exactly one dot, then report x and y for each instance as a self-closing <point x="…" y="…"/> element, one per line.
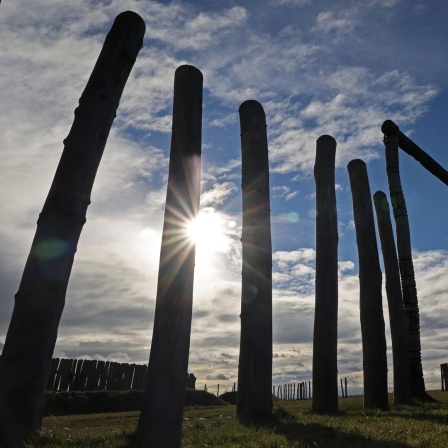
<point x="328" y="22"/>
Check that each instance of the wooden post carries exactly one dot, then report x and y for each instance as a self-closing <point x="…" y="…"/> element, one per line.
<point x="407" y="145"/>
<point x="408" y="285"/>
<point x="444" y="374"/>
<point x="346" y="387"/>
<point x="255" y="361"/>
<point x="402" y="385"/>
<point x="325" y="399"/>
<point x="217" y="393"/>
<point x="26" y="358"/>
<point x="164" y="396"/>
<point x="342" y="388"/>
<point x="370" y="280"/>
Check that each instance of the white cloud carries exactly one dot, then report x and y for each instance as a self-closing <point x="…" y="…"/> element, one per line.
<point x="290" y="2"/>
<point x="328" y="22"/>
<point x="182" y="30"/>
<point x="218" y="193"/>
<point x="284" y="192"/>
<point x="384" y="3"/>
<point x="352" y="114"/>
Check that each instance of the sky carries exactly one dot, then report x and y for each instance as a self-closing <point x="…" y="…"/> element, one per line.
<point x="317" y="67"/>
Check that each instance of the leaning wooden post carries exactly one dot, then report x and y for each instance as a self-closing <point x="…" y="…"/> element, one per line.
<point x="255" y="361"/>
<point x="164" y="396"/>
<point x="32" y="333"/>
<point x="402" y="387"/>
<point x="370" y="280"/>
<point x="408" y="285"/>
<point x="325" y="371"/>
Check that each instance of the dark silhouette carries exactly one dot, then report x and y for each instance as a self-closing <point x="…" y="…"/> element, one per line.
<point x="408" y="284"/>
<point x="325" y="370"/>
<point x="370" y="300"/>
<point x="27" y="353"/>
<point x="162" y="409"/>
<point x="402" y="385"/>
<point x="255" y="361"/>
<point x="407" y="145"/>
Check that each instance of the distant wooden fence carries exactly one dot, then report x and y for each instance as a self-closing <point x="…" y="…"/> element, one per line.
<point x="444" y="376"/>
<point x="303" y="391"/>
<point x="291" y="392"/>
<point x="91" y="375"/>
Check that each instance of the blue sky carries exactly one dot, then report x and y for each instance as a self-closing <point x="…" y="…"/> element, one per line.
<point x="317" y="67"/>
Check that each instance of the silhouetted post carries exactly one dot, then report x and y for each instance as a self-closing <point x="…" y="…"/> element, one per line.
<point x="164" y="396"/>
<point x="408" y="146"/>
<point x="29" y="345"/>
<point x="402" y="389"/>
<point x="444" y="376"/>
<point x="325" y="373"/>
<point x="255" y="361"/>
<point x="408" y="285"/>
<point x="370" y="279"/>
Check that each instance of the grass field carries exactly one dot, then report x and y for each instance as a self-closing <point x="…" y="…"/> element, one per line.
<point x="422" y="425"/>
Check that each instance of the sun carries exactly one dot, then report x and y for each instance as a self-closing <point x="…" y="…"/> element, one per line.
<point x="209" y="231"/>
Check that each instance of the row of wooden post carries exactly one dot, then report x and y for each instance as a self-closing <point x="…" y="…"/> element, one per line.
<point x="26" y="359"/>
<point x="303" y="391"/>
<point x="400" y="278"/>
<point x="291" y="392"/>
<point x="92" y="375"/>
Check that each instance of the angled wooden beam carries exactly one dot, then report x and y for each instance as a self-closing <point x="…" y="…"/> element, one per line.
<point x="389" y="128"/>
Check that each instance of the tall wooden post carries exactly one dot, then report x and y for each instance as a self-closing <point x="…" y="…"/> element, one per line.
<point x="370" y="279"/>
<point x="402" y="387"/>
<point x="162" y="409"/>
<point x="408" y="285"/>
<point x="325" y="368"/>
<point x="255" y="362"/>
<point x="29" y="345"/>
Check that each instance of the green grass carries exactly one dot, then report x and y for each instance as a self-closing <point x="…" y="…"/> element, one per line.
<point x="422" y="425"/>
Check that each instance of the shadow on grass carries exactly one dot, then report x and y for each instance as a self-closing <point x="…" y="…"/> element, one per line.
<point x="315" y="434"/>
<point x="424" y="416"/>
<point x="153" y="440"/>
